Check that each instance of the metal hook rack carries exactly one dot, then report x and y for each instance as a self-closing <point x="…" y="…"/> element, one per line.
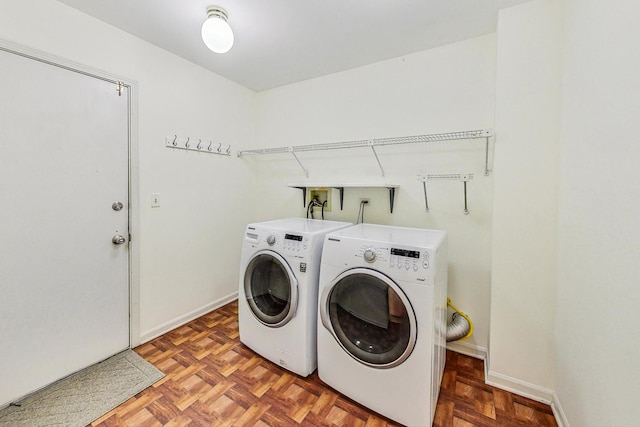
<point x="381" y="142"/>
<point x="464" y="178"/>
<point x="185" y="143"/>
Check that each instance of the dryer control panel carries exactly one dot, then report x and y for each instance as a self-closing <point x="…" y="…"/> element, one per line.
<point x="409" y="260"/>
<point x="402" y="263"/>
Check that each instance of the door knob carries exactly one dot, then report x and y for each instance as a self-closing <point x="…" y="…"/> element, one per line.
<point x="118" y="239"/>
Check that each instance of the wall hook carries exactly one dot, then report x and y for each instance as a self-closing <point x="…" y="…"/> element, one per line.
<point x="199" y="144"/>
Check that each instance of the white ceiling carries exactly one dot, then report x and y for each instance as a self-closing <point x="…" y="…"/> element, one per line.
<point x="278" y="42"/>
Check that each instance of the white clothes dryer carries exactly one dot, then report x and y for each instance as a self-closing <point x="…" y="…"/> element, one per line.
<point x="278" y="292"/>
<point x="383" y="308"/>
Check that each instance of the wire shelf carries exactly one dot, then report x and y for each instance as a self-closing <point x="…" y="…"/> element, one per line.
<point x="380" y="142"/>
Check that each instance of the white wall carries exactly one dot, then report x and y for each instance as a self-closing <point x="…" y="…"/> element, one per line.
<point x="440" y="90"/>
<point x="597" y="347"/>
<point x="528" y="102"/>
<point x="189" y="246"/>
<point x="565" y="272"/>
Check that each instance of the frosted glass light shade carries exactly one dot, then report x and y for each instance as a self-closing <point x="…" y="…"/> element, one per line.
<point x="216" y="32"/>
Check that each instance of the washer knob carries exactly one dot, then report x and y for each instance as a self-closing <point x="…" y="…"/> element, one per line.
<point x="271" y="239"/>
<point x="369" y="255"/>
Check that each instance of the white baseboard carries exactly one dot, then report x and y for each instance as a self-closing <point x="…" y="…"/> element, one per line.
<point x="468" y="349"/>
<point x="513" y="385"/>
<point x="186" y="318"/>
<point x="520" y="387"/>
<point x="558" y="412"/>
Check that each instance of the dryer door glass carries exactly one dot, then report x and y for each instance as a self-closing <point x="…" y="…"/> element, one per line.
<point x="270" y="288"/>
<point x="372" y="318"/>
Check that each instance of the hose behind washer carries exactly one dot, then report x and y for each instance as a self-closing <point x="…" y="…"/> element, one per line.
<point x="460" y="325"/>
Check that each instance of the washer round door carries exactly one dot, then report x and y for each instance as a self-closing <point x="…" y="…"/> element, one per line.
<point x="370" y="317"/>
<point x="271" y="288"/>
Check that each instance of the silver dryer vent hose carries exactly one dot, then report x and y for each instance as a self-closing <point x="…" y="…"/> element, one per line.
<point x="457" y="328"/>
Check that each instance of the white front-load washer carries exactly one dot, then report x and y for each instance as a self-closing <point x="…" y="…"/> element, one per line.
<point x="278" y="292"/>
<point x="382" y="305"/>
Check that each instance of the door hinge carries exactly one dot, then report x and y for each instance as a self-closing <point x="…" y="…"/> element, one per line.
<point x="119" y="88"/>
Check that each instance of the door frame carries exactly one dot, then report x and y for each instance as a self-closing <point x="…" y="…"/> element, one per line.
<point x="133" y="166"/>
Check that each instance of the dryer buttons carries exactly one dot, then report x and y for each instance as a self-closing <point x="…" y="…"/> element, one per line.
<point x="425" y="261"/>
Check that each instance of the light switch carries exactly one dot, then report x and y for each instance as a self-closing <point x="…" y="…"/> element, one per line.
<point x="155" y="200"/>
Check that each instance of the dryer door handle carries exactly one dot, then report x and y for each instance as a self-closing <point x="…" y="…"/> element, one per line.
<point x="323" y="307"/>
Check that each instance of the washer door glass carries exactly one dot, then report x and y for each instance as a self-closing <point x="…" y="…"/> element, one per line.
<point x="370" y="316"/>
<point x="271" y="288"/>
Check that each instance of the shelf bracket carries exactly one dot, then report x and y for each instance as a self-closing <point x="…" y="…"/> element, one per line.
<point x="304" y="195"/>
<point x="392" y="196"/>
<point x="306" y="173"/>
<point x="373" y="148"/>
<point x="426" y="201"/>
<point x="341" y="190"/>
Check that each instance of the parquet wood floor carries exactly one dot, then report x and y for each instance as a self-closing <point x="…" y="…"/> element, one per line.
<point x="212" y="379"/>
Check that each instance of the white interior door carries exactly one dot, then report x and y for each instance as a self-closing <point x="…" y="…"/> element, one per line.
<point x="64" y="286"/>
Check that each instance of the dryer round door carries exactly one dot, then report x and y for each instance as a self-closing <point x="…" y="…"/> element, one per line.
<point x="370" y="317"/>
<point x="271" y="288"/>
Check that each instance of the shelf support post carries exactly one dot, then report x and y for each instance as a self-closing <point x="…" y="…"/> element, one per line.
<point x="466" y="209"/>
<point x="486" y="157"/>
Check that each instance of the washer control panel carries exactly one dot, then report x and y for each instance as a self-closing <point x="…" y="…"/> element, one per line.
<point x="295" y="243"/>
<point x="287" y="243"/>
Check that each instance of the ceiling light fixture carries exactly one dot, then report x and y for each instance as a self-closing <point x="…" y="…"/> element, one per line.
<point x="216" y="32"/>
